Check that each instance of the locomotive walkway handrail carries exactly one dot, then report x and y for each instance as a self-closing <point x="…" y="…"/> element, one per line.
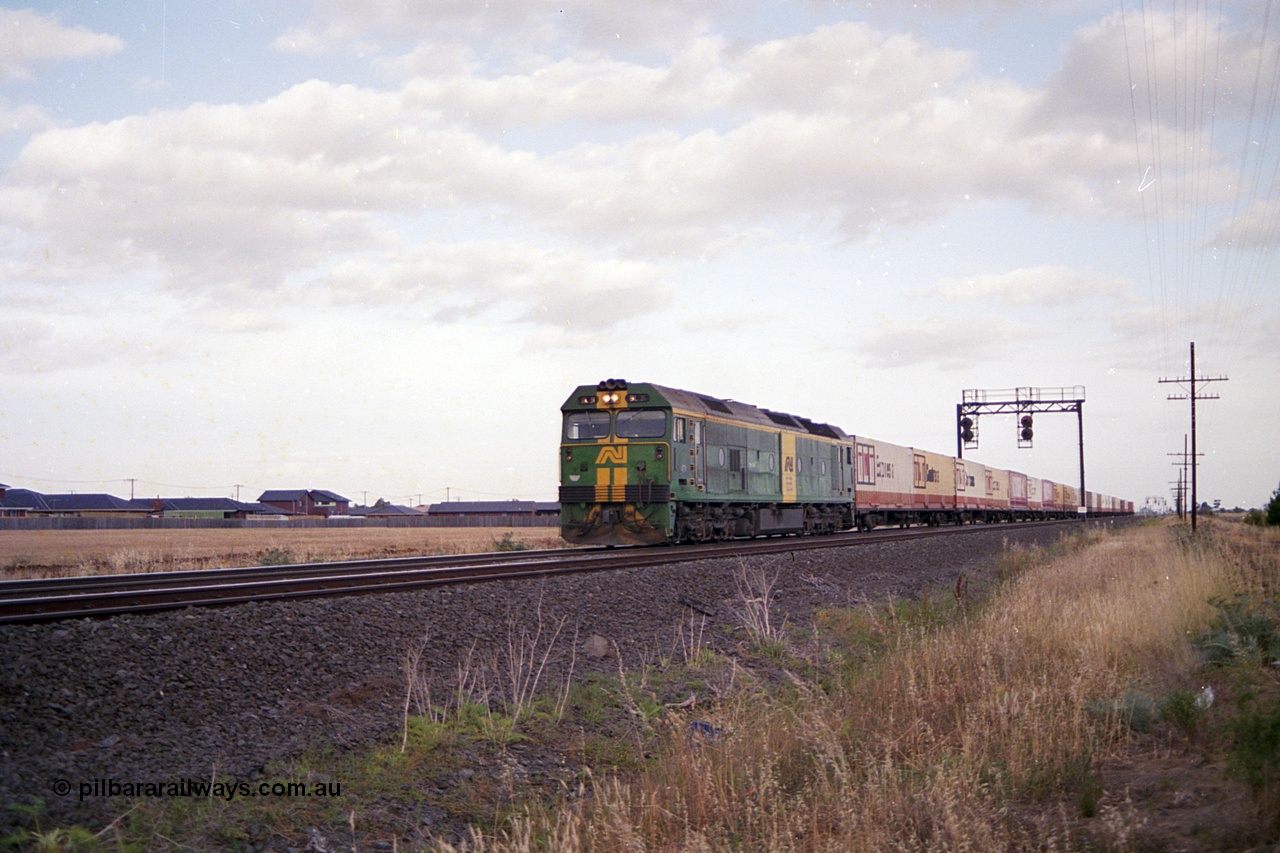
<point x="50" y="599"/>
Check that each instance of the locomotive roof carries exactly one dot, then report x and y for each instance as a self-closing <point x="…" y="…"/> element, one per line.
<point x="718" y="407"/>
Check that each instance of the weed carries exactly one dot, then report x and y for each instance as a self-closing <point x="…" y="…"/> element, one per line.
<point x="508" y="542"/>
<point x="1242" y="630"/>
<point x="756" y="595"/>
<point x="39" y="840"/>
<point x="1255" y="757"/>
<point x="1090" y="792"/>
<point x="276" y="557"/>
<point x="1184" y="710"/>
<point x="1132" y="710"/>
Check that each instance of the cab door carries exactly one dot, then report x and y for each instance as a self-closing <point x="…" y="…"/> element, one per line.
<point x="737" y="469"/>
<point x="697" y="451"/>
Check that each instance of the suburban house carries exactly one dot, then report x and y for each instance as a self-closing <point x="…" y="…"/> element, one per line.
<point x="11" y="504"/>
<point x="24" y="502"/>
<point x="306" y="502"/>
<point x="209" y="508"/>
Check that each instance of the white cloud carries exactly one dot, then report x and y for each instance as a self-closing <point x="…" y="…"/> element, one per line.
<point x="885" y="129"/>
<point x="1047" y="286"/>
<point x="949" y="343"/>
<point x="22" y="118"/>
<point x="31" y="38"/>
<point x="518" y="27"/>
<point x="513" y="281"/>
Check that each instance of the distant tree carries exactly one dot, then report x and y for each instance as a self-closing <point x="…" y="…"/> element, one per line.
<point x="380" y="503"/>
<point x="1273" y="508"/>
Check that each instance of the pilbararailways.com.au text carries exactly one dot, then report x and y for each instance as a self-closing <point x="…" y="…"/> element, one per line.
<point x="197" y="788"/>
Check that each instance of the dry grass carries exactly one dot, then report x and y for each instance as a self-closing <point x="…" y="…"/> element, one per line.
<point x="934" y="742"/>
<point x="54" y="553"/>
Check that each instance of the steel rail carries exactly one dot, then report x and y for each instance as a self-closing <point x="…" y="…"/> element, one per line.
<point x="50" y="599"/>
<point x="148" y="580"/>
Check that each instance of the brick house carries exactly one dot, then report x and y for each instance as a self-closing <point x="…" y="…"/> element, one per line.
<point x="306" y="502"/>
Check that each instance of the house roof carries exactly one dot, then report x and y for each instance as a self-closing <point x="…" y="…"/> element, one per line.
<point x="301" y="494"/>
<point x="91" y="503"/>
<point x="386" y="509"/>
<point x="23" y="499"/>
<point x="200" y="504"/>
<point x="266" y="509"/>
<point x="282" y="495"/>
<point x="210" y="504"/>
<point x="35" y="501"/>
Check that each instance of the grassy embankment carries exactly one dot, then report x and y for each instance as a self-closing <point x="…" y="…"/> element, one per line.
<point x="1030" y="716"/>
<point x="1015" y="725"/>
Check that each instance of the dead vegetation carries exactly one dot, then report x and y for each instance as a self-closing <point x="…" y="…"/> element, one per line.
<point x="1072" y="710"/>
<point x="59" y="553"/>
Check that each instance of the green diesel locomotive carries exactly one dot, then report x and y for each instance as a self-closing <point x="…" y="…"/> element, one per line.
<point x="645" y="464"/>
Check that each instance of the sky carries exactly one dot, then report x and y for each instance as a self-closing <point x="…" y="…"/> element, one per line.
<point x="373" y="246"/>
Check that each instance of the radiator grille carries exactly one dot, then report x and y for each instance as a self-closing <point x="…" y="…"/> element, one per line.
<point x="577" y="494"/>
<point x="643" y="494"/>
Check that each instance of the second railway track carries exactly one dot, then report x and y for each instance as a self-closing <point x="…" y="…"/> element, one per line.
<point x="48" y="599"/>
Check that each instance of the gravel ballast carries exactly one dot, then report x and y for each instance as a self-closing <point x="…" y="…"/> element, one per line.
<point x="199" y="693"/>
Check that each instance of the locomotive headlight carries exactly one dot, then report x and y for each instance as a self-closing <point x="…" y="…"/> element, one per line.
<point x="657" y="452"/>
<point x="568" y="454"/>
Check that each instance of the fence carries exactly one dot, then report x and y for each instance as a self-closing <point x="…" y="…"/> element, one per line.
<point x="73" y="523"/>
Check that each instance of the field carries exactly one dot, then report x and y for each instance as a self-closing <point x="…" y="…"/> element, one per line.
<point x="54" y="553"/>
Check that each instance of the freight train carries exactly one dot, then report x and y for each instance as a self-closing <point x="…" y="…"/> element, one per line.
<point x="643" y="464"/>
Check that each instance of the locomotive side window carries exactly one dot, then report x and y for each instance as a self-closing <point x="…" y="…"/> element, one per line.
<point x="641" y="423"/>
<point x="584" y="426"/>
<point x="678" y="430"/>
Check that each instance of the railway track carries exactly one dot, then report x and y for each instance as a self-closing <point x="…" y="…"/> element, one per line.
<point x="50" y="599"/>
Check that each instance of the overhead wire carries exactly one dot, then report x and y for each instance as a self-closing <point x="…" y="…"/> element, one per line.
<point x="1208" y="247"/>
<point x="1261" y="216"/>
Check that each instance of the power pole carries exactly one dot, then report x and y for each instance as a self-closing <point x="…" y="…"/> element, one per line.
<point x="1184" y="478"/>
<point x="131" y="480"/>
<point x="1178" y="488"/>
<point x="238" y="487"/>
<point x="1193" y="396"/>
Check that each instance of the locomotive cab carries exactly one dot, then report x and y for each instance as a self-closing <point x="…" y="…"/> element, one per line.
<point x="615" y="453"/>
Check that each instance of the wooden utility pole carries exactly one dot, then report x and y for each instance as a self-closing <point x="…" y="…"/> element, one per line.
<point x="1193" y="396"/>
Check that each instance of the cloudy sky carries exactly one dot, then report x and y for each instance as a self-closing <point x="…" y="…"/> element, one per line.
<point x="371" y="246"/>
